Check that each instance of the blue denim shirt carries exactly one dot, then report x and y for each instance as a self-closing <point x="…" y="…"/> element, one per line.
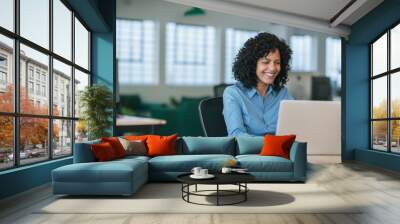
<point x="246" y="112"/>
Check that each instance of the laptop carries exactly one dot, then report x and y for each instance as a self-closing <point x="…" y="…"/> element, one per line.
<point x="316" y="122"/>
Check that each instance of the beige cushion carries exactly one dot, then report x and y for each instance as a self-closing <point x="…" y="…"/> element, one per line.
<point x="136" y="147"/>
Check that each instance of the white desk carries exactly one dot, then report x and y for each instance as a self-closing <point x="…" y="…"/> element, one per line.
<point x="131" y="123"/>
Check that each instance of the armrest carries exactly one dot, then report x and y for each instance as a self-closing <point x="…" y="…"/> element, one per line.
<point x="298" y="155"/>
<point x="83" y="153"/>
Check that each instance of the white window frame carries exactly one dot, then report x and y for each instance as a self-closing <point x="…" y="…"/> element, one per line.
<point x="234" y="41"/>
<point x="304" y="58"/>
<point x="186" y="64"/>
<point x="137" y="68"/>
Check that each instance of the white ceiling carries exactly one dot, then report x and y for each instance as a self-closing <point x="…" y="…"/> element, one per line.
<point x="320" y="9"/>
<point x="315" y="15"/>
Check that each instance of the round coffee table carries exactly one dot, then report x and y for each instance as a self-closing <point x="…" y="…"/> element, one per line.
<point x="238" y="179"/>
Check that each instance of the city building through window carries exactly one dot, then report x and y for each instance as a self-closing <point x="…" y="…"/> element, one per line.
<point x="44" y="132"/>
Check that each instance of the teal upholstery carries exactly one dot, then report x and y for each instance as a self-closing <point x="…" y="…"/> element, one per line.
<point x="298" y="155"/>
<point x="125" y="176"/>
<point x="119" y="177"/>
<point x="249" y="145"/>
<point x="257" y="163"/>
<point x="184" y="163"/>
<point x="83" y="153"/>
<point x="208" y="145"/>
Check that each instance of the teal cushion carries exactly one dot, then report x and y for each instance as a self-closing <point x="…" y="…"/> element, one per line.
<point x="185" y="163"/>
<point x="208" y="145"/>
<point x="257" y="163"/>
<point x="83" y="152"/>
<point x="249" y="145"/>
<point x="112" y="171"/>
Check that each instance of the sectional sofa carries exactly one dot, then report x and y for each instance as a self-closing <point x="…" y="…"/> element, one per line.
<point x="125" y="176"/>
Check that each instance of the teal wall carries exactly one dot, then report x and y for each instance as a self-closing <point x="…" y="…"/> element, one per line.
<point x="99" y="15"/>
<point x="356" y="85"/>
<point x="103" y="52"/>
<point x="24" y="178"/>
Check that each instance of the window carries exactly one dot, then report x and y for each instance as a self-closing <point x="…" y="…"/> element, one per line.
<point x="34" y="25"/>
<point x="234" y="39"/>
<point x="30" y="87"/>
<point x="304" y="53"/>
<point x="62" y="74"/>
<point x="81" y="81"/>
<point x="385" y="92"/>
<point x="38" y="89"/>
<point x="62" y="31"/>
<point x="7" y="14"/>
<point x="30" y="71"/>
<point x="45" y="131"/>
<point x="136" y="52"/>
<point x="3" y="78"/>
<point x="37" y="75"/>
<point x="334" y="61"/>
<point x="43" y="90"/>
<point x="3" y="72"/>
<point x="81" y="45"/>
<point x="190" y="58"/>
<point x="6" y="79"/>
<point x="3" y="61"/>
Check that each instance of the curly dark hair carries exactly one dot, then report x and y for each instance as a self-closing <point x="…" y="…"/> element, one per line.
<point x="245" y="64"/>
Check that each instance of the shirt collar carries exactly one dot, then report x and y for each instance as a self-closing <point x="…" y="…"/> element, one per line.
<point x="252" y="91"/>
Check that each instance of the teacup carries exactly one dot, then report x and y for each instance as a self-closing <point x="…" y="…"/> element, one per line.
<point x="203" y="172"/>
<point x="196" y="170"/>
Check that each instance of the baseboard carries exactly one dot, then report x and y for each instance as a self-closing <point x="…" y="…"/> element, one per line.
<point x="324" y="159"/>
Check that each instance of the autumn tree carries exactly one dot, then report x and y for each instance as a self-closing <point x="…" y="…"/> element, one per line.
<point x="380" y="127"/>
<point x="33" y="131"/>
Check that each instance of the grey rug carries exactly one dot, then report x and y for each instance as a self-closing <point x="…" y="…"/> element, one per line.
<point x="166" y="198"/>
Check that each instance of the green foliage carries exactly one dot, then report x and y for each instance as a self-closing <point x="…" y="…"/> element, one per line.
<point x="96" y="102"/>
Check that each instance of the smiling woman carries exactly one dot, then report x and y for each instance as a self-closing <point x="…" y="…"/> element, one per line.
<point x="261" y="69"/>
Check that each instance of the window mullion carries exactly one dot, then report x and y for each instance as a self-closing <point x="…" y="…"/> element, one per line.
<point x="16" y="84"/>
<point x="50" y="81"/>
<point x="73" y="81"/>
<point x="389" y="77"/>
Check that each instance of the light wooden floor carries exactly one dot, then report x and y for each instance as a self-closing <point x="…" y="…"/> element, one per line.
<point x="378" y="189"/>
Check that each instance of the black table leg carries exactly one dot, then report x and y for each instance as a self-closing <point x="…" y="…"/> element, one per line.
<point x="217" y="194"/>
<point x="245" y="193"/>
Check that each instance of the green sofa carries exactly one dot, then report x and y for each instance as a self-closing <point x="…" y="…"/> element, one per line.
<point x="182" y="117"/>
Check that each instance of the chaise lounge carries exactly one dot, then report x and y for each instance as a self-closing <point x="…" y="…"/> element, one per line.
<point x="125" y="176"/>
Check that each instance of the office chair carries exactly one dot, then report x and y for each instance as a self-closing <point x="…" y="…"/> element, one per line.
<point x="212" y="119"/>
<point x="219" y="89"/>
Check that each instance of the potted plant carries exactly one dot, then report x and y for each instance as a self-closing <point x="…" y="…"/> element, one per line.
<point x="96" y="103"/>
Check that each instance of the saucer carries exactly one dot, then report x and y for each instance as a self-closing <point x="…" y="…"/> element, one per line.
<point x="208" y="176"/>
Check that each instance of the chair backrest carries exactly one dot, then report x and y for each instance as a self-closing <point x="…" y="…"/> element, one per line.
<point x="212" y="118"/>
<point x="219" y="89"/>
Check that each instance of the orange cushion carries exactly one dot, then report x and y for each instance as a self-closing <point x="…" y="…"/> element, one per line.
<point x="135" y="137"/>
<point x="103" y="151"/>
<point x="161" y="145"/>
<point x="116" y="145"/>
<point x="277" y="145"/>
